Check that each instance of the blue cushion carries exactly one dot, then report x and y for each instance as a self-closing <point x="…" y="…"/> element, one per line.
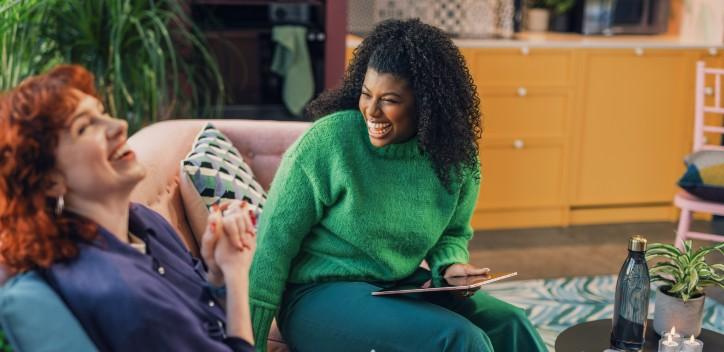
<point x="704" y="176"/>
<point x="34" y="318"/>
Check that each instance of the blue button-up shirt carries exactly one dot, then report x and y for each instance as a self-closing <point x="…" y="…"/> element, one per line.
<point x="130" y="301"/>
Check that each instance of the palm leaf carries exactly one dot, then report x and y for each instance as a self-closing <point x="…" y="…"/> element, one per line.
<point x="131" y="46"/>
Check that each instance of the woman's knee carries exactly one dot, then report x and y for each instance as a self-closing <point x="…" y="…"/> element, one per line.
<point x="516" y="314"/>
<point x="492" y="308"/>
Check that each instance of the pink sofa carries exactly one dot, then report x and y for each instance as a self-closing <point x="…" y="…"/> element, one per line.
<point x="161" y="146"/>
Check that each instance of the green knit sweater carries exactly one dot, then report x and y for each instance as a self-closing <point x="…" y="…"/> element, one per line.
<point x="341" y="209"/>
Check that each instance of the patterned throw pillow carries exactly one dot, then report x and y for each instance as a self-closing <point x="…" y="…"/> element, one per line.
<point x="214" y="171"/>
<point x="704" y="175"/>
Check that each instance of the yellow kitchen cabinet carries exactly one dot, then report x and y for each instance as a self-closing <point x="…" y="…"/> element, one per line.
<point x="526" y="97"/>
<point x="518" y="112"/>
<point x="522" y="186"/>
<point x="521" y="176"/>
<point x="631" y="133"/>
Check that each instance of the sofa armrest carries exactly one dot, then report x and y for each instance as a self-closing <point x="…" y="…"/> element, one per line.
<point x="160" y="148"/>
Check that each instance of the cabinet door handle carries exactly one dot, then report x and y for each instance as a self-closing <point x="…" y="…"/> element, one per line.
<point x="525" y="50"/>
<point x="639" y="51"/>
<point x="522" y="92"/>
<point x="518" y="144"/>
<point x="708" y="91"/>
<point x="713" y="51"/>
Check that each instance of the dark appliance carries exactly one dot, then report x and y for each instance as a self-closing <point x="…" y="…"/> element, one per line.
<point x="239" y="34"/>
<point x="611" y="17"/>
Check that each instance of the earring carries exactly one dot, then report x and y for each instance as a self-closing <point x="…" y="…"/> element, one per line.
<point x="59" y="206"/>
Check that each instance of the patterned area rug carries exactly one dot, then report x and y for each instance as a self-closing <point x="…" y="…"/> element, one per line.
<point x="556" y="304"/>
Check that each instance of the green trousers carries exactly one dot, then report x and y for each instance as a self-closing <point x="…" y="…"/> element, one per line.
<point x="344" y="316"/>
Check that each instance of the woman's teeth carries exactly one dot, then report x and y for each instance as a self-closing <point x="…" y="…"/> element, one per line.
<point x="120" y="152"/>
<point x="379" y="129"/>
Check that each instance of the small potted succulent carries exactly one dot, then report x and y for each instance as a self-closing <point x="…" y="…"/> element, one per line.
<point x="684" y="274"/>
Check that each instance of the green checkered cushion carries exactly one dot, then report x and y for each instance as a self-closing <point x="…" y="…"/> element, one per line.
<point x="217" y="171"/>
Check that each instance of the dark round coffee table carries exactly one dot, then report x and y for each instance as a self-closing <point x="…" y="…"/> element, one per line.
<point x="594" y="336"/>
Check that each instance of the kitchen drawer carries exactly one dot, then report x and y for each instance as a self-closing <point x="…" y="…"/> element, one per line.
<point x="505" y="67"/>
<point x="528" y="177"/>
<point x="524" y="112"/>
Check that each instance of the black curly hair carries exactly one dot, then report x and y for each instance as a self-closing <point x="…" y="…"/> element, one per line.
<point x="446" y="99"/>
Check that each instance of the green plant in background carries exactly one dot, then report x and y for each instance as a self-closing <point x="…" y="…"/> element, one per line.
<point x="685" y="273"/>
<point x="149" y="60"/>
<point x="557" y="6"/>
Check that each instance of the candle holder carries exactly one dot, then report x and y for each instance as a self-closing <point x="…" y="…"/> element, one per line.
<point x="692" y="345"/>
<point x="668" y="344"/>
<point x="676" y="337"/>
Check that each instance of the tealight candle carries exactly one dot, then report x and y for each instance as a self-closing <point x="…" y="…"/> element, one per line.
<point x="692" y="345"/>
<point x="668" y="344"/>
<point x="674" y="335"/>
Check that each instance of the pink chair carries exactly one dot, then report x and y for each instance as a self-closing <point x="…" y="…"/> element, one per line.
<point x="687" y="202"/>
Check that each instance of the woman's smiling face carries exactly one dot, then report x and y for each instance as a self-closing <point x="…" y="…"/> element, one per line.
<point x="92" y="153"/>
<point x="388" y="106"/>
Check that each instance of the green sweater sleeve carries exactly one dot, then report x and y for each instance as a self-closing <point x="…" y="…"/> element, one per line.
<point x="292" y="208"/>
<point x="452" y="247"/>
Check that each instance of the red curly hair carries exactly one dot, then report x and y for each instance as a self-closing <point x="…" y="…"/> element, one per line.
<point x="31" y="118"/>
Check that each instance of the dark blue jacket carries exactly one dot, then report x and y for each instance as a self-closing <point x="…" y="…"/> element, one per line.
<point x="130" y="301"/>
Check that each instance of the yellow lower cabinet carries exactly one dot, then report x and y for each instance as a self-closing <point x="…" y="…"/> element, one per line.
<point x="522" y="186"/>
<point x="633" y="123"/>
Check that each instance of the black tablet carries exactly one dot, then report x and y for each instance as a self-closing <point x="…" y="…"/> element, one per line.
<point x="460" y="283"/>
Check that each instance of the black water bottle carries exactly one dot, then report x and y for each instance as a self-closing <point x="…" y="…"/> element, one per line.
<point x="631" y="307"/>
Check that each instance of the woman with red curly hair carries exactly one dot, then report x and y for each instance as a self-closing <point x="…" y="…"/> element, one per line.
<point x="66" y="175"/>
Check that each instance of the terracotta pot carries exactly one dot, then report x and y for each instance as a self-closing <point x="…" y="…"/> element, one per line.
<point x="671" y="311"/>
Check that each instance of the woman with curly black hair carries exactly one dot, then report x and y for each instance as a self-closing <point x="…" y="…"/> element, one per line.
<point x="387" y="177"/>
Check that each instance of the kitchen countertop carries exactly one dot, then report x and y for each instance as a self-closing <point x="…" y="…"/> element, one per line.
<point x="569" y="40"/>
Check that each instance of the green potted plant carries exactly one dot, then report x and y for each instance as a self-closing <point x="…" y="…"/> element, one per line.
<point x="543" y="12"/>
<point x="149" y="60"/>
<point x="684" y="274"/>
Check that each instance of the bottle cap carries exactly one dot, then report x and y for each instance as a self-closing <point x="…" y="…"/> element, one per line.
<point x="637" y="243"/>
